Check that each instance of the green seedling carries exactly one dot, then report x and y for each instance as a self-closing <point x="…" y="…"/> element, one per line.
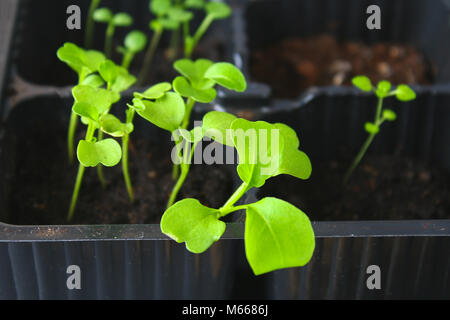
<point x="172" y="113"/>
<point x="383" y="90"/>
<point x="277" y="234"/>
<point x="214" y="11"/>
<point x="135" y="42"/>
<point x="92" y="104"/>
<point x="105" y="15"/>
<point x="85" y="63"/>
<point x="90" y="26"/>
<point x="168" y="17"/>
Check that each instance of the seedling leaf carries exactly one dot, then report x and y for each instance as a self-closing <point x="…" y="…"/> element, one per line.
<point x="277" y="235"/>
<point x="389" y="115"/>
<point x="182" y="86"/>
<point x="101" y="99"/>
<point x="114" y="127"/>
<point x="136" y="41"/>
<point x="218" y="10"/>
<point x="191" y="222"/>
<point x="383" y="89"/>
<point x="363" y="83"/>
<point x="371" y="128"/>
<point x="405" y="93"/>
<point x="106" y="152"/>
<point x="103" y="15"/>
<point x="195" y="71"/>
<point x="155" y="92"/>
<point x="94" y="81"/>
<point x="122" y="19"/>
<point x="166" y="113"/>
<point x="160" y="7"/>
<point x="217" y="126"/>
<point x="195" y="4"/>
<point x="227" y="75"/>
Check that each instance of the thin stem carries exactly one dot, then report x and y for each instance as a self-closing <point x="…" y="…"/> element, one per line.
<point x="127" y="59"/>
<point x="90" y="24"/>
<point x="359" y="157"/>
<point x="185" y="166"/>
<point x="126" y="174"/>
<point x="235" y="197"/>
<point x="190" y="45"/>
<point x="379" y="108"/>
<point x="109" y="39"/>
<point x="225" y="212"/>
<point x="100" y="174"/>
<point x="174" y="44"/>
<point x="125" y="170"/>
<point x="143" y="76"/>
<point x="81" y="169"/>
<point x="71" y="135"/>
<point x="187" y="115"/>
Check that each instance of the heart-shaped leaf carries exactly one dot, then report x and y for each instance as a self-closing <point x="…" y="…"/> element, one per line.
<point x="118" y="78"/>
<point x="217" y="126"/>
<point x="383" y="89"/>
<point x="180" y="15"/>
<point x="228" y="76"/>
<point x="191" y="222"/>
<point x="94" y="81"/>
<point x="371" y="128"/>
<point x="114" y="127"/>
<point x="259" y="145"/>
<point x="136" y="41"/>
<point x="184" y="88"/>
<point x="195" y="72"/>
<point x="100" y="99"/>
<point x="166" y="113"/>
<point x="195" y="4"/>
<point x="154" y="92"/>
<point x="106" y="152"/>
<point x="277" y="235"/>
<point x="81" y="61"/>
<point x="218" y="10"/>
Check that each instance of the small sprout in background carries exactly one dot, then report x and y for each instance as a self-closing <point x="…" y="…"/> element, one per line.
<point x="168" y="17"/>
<point x="90" y="25"/>
<point x="214" y="11"/>
<point x="105" y="15"/>
<point x="382" y="91"/>
<point x="135" y="42"/>
<point x="277" y="234"/>
<point x="84" y="63"/>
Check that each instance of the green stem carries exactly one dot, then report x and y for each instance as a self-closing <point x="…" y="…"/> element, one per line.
<point x="187" y="115"/>
<point x="176" y="167"/>
<point x="185" y="166"/>
<point x="100" y="174"/>
<point x="109" y="39"/>
<point x="235" y="197"/>
<point x="143" y="76"/>
<point x="125" y="170"/>
<point x="190" y="45"/>
<point x="359" y="157"/>
<point x="90" y="24"/>
<point x="71" y="135"/>
<point x="379" y="109"/>
<point x="174" y="41"/>
<point x="127" y="59"/>
<point x="81" y="169"/>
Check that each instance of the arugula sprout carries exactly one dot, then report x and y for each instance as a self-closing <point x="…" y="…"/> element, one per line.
<point x="84" y="63"/>
<point x="134" y="43"/>
<point x="121" y="19"/>
<point x="277" y="234"/>
<point x="383" y="90"/>
<point x="168" y="17"/>
<point x="92" y="104"/>
<point x="169" y="111"/>
<point x="90" y="25"/>
<point x="214" y="11"/>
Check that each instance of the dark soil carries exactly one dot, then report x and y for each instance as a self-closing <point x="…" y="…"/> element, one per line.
<point x="382" y="188"/>
<point x="296" y="64"/>
<point x="43" y="184"/>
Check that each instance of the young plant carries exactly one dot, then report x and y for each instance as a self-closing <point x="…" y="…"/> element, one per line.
<point x="85" y="63"/>
<point x="105" y="15"/>
<point x="168" y="17"/>
<point x="134" y="43"/>
<point x="277" y="234"/>
<point x="214" y="11"/>
<point x="382" y="91"/>
<point x="170" y="112"/>
<point x="90" y="25"/>
<point x="92" y="104"/>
